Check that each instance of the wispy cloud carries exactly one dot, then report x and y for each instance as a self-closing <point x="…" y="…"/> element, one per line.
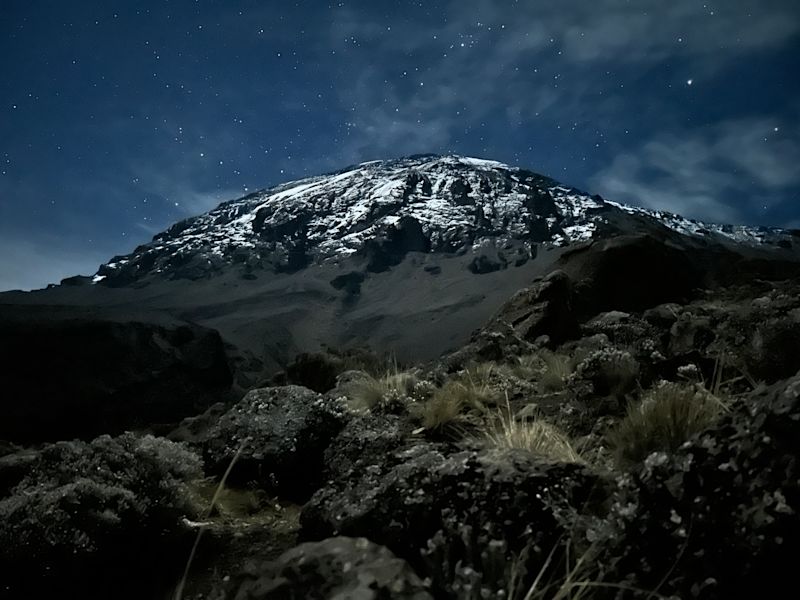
<point x="478" y="62"/>
<point x="703" y="173"/>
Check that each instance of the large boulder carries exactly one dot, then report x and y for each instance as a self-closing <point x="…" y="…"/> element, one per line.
<point x="94" y="518"/>
<point x="333" y="569"/>
<point x="67" y="374"/>
<point x="545" y="308"/>
<point x="366" y="440"/>
<point x="720" y="518"/>
<point x="277" y="438"/>
<point x="446" y="514"/>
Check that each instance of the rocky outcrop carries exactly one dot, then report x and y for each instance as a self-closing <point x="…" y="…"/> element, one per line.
<point x="72" y="373"/>
<point x="720" y="518"/>
<point x="441" y="512"/>
<point x="543" y="309"/>
<point x="276" y="438"/>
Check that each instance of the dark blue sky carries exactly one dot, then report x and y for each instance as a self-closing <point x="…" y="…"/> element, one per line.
<point x="119" y="118"/>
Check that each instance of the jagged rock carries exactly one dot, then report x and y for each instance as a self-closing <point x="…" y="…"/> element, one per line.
<point x="497" y="342"/>
<point x="333" y="569"/>
<point x="67" y="374"/>
<point x="451" y="508"/>
<point x="95" y="517"/>
<point x="483" y="263"/>
<point x="720" y="518"/>
<point x="545" y="308"/>
<point x="277" y="437"/>
<point x="663" y="315"/>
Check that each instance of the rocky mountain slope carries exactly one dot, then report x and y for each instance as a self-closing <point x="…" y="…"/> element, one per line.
<point x="565" y="398"/>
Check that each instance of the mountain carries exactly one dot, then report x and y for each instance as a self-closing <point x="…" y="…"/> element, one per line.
<point x="382" y="210"/>
<point x="408" y="256"/>
<point x="576" y="393"/>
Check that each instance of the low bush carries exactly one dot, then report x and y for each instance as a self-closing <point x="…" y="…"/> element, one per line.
<point x="91" y="512"/>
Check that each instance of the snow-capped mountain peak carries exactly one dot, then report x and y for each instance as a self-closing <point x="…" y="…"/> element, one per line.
<point x="425" y="203"/>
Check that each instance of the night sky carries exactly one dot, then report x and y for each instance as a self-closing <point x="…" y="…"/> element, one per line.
<point x="119" y="118"/>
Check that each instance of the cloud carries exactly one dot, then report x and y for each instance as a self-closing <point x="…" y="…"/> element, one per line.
<point x="734" y="171"/>
<point x="422" y="86"/>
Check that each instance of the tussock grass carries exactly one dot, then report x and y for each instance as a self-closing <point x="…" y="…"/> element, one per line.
<point x="534" y="435"/>
<point x="527" y="366"/>
<point x="444" y="407"/>
<point x="557" y="369"/>
<point x="550" y="369"/>
<point x="368" y="392"/>
<point x="666" y="418"/>
<point x="474" y="386"/>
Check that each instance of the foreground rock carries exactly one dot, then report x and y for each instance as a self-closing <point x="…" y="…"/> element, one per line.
<point x="719" y="519"/>
<point x="454" y="518"/>
<point x="333" y="569"/>
<point x="277" y="438"/>
<point x="91" y="519"/>
<point x="70" y="373"/>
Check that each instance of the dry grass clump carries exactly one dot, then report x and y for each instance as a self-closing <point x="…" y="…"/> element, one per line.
<point x="368" y="392"/>
<point x="667" y="417"/>
<point x="557" y="368"/>
<point x="456" y="396"/>
<point x="444" y="407"/>
<point x="534" y="435"/>
<point x="474" y="386"/>
<point x="550" y="369"/>
<point x="527" y="366"/>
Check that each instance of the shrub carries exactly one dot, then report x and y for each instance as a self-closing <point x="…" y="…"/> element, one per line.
<point x="612" y="372"/>
<point x="667" y="417"/>
<point x="89" y="511"/>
